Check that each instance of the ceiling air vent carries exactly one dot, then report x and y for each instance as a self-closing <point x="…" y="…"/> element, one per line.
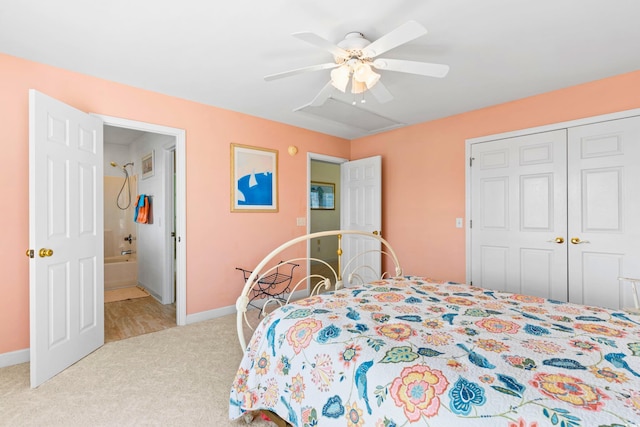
<point x="350" y="115"/>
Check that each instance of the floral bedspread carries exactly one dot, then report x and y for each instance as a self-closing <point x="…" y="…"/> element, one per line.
<point x="410" y="351"/>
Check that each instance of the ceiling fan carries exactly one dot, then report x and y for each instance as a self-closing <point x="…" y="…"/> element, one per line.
<point x="355" y="57"/>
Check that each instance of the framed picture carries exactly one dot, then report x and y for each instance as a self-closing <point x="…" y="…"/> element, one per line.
<point x="254" y="179"/>
<point x="147" y="165"/>
<point x="323" y="195"/>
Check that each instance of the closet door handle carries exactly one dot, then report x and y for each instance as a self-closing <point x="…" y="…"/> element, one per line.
<point x="558" y="240"/>
<point x="577" y="241"/>
<point x="44" y="252"/>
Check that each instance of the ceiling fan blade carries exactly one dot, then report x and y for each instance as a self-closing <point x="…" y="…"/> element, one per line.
<point x="316" y="40"/>
<point x="381" y="93"/>
<point x="300" y="71"/>
<point x="413" y="67"/>
<point x="403" y="34"/>
<point x="323" y="95"/>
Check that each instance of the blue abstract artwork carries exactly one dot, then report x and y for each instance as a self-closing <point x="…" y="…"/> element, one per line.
<point x="256" y="189"/>
<point x="254" y="179"/>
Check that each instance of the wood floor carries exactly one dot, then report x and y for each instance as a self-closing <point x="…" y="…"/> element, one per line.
<point x="133" y="317"/>
<point x="138" y="316"/>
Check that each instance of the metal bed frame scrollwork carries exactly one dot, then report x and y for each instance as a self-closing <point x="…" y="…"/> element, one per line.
<point x="256" y="279"/>
<point x="271" y="286"/>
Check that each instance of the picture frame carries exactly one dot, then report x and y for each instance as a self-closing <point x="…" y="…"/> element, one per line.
<point x="322" y="195"/>
<point x="254" y="179"/>
<point x="148" y="165"/>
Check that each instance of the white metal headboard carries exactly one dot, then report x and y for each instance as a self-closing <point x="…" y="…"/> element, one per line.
<point x="259" y="272"/>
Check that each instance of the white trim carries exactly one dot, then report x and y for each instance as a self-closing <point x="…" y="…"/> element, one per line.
<point x="521" y="132"/>
<point x="210" y="314"/>
<point x="169" y="151"/>
<point x="14" y="357"/>
<point x="231" y="309"/>
<point x="181" y="209"/>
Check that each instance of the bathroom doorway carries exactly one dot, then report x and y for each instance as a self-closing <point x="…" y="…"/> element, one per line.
<point x="142" y="275"/>
<point x="324" y="213"/>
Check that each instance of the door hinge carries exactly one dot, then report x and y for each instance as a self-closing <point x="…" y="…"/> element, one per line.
<point x="470" y="223"/>
<point x="471" y="159"/>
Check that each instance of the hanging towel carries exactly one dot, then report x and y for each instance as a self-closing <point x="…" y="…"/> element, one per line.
<point x="142" y="215"/>
<point x="137" y="211"/>
<point x="143" y="209"/>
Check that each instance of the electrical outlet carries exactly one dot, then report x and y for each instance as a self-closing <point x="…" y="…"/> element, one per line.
<point x="458" y="222"/>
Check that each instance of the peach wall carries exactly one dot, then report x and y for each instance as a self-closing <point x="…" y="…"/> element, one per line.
<point x="217" y="240"/>
<point x="423" y="167"/>
<point x="423" y="177"/>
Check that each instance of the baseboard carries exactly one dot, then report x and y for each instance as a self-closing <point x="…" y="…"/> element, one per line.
<point x="210" y="314"/>
<point x="231" y="309"/>
<point x="14" y="358"/>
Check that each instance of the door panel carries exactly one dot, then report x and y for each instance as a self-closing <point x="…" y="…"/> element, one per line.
<point x="88" y="294"/>
<point x="599" y="272"/>
<point x="58" y="295"/>
<point x="494" y="194"/>
<point x="536" y="202"/>
<point x="601" y="200"/>
<point x="518" y="205"/>
<point x="536" y="272"/>
<point x="492" y="267"/>
<point x="65" y="199"/>
<point x="361" y="190"/>
<point x="604" y="207"/>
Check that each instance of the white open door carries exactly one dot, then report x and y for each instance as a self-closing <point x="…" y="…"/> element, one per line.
<point x="65" y="236"/>
<point x="361" y="209"/>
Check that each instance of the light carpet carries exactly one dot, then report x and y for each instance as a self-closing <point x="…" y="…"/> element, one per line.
<point x="176" y="377"/>
<point x="124" y="294"/>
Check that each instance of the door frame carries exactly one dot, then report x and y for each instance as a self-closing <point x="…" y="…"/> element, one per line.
<point x="180" y="202"/>
<point x="520" y="132"/>
<point x="323" y="158"/>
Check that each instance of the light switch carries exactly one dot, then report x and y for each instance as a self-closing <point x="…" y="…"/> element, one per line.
<point x="301" y="221"/>
<point x="458" y="222"/>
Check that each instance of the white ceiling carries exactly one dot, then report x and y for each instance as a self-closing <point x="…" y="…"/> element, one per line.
<point x="121" y="136"/>
<point x="217" y="53"/>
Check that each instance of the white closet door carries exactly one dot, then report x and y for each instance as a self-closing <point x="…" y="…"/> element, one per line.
<point x="518" y="205"/>
<point x="604" y="210"/>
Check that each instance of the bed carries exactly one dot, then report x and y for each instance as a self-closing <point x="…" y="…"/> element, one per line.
<point x="406" y="350"/>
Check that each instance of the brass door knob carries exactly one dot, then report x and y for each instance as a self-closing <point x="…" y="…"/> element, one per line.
<point x="559" y="240"/>
<point x="577" y="241"/>
<point x="45" y="252"/>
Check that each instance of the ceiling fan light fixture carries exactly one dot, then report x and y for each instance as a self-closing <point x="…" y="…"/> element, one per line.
<point x="357" y="86"/>
<point x="364" y="74"/>
<point x="355" y="59"/>
<point x="340" y="77"/>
